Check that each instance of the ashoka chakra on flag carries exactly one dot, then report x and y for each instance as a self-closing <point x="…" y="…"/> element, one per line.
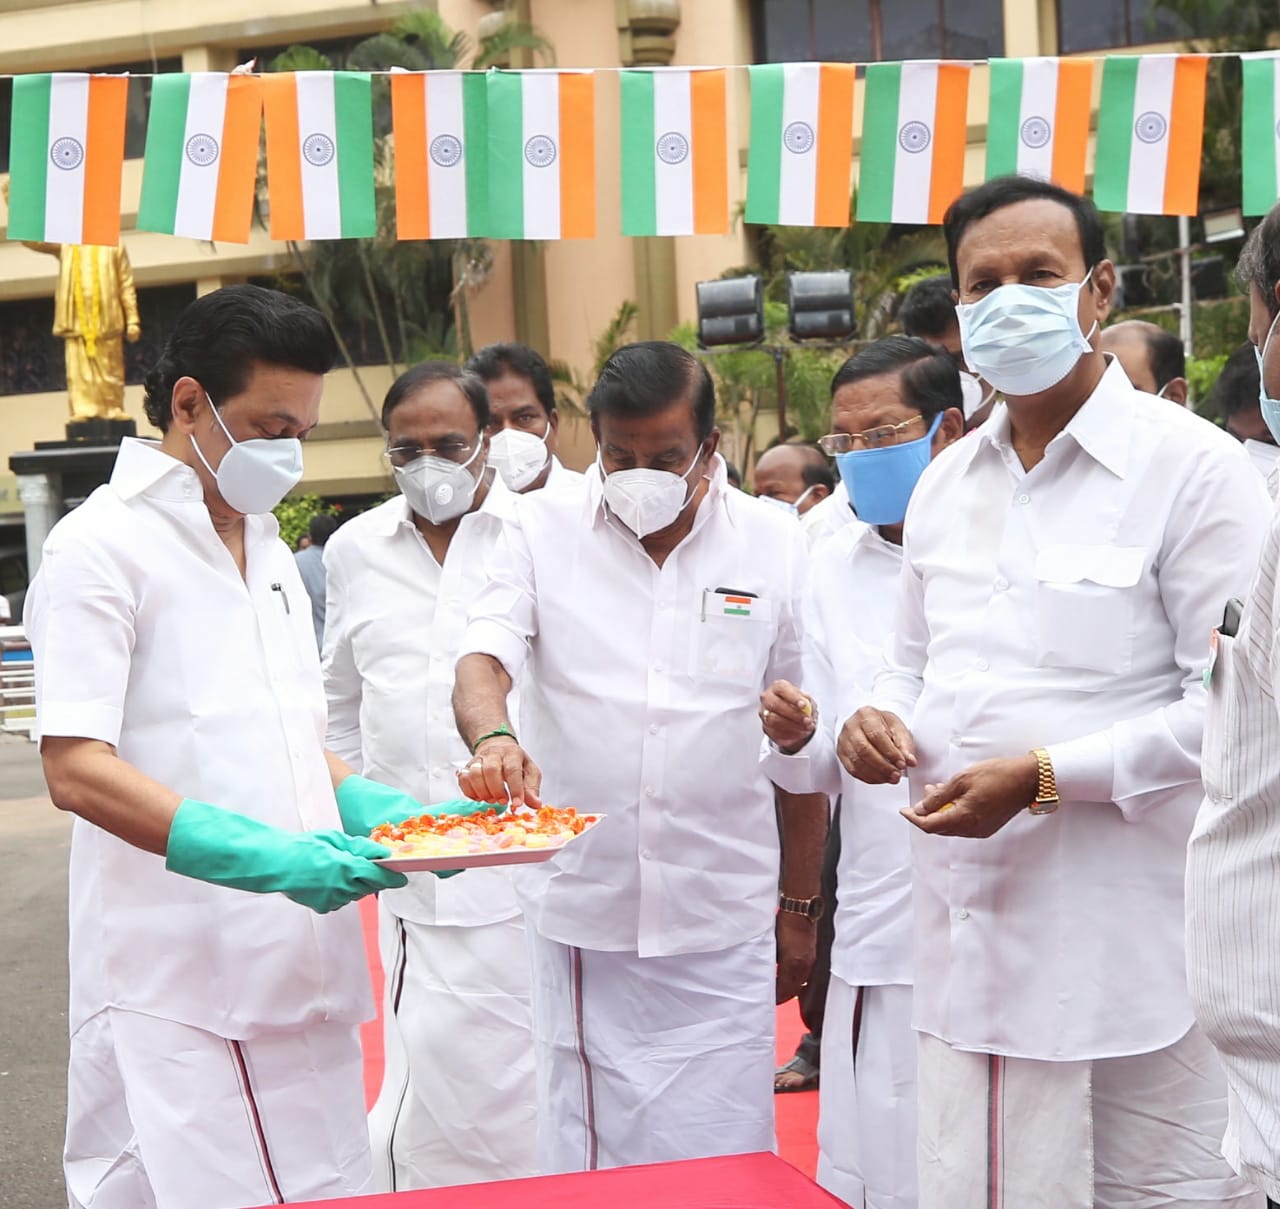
<point x="914" y="137"/>
<point x="798" y="138"/>
<point x="446" y="150"/>
<point x="1151" y="127"/>
<point x="1036" y="132"/>
<point x="673" y="148"/>
<point x="202" y="149"/>
<point x="67" y="154"/>
<point x="540" y="151"/>
<point x="317" y="149"/>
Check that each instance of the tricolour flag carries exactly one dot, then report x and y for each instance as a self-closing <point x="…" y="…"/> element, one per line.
<point x="675" y="152"/>
<point x="801" y="157"/>
<point x="542" y="159"/>
<point x="201" y="163"/>
<point x="1150" y="131"/>
<point x="320" y="154"/>
<point x="913" y="141"/>
<point x="66" y="156"/>
<point x="1039" y="119"/>
<point x="441" y="154"/>
<point x="1260" y="137"/>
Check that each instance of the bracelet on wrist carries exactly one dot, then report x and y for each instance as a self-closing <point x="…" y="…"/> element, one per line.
<point x="500" y="732"/>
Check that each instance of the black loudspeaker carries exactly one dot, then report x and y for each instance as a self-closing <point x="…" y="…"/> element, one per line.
<point x="821" y="305"/>
<point x="730" y="311"/>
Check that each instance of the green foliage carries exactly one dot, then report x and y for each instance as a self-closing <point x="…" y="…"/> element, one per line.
<point x="1202" y="373"/>
<point x="572" y="388"/>
<point x="300" y="58"/>
<point x="294" y="515"/>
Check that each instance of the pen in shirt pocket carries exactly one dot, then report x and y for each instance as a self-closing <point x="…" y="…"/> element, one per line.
<point x="284" y="596"/>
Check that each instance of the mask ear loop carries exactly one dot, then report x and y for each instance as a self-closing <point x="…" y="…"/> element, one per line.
<point x="213" y="407"/>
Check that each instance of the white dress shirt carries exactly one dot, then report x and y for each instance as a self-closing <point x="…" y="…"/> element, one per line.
<point x="642" y="702"/>
<point x="848" y="621"/>
<point x="562" y="478"/>
<point x="828" y="516"/>
<point x="1233" y="879"/>
<point x="394" y="619"/>
<point x="146" y="637"/>
<point x="1067" y="607"/>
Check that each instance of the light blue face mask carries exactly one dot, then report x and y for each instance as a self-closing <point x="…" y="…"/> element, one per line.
<point x="1270" y="407"/>
<point x="880" y="481"/>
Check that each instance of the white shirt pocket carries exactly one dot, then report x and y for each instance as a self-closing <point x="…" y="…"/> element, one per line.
<point x="1218" y="754"/>
<point x="1086" y="605"/>
<point x="732" y="647"/>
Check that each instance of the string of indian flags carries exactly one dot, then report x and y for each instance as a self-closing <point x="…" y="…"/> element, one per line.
<point x="511" y="154"/>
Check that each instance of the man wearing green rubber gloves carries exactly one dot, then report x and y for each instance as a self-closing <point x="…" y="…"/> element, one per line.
<point x="215" y="1057"/>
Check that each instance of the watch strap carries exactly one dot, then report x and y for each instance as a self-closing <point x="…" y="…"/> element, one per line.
<point x="1046" y="800"/>
<point x="810" y="908"/>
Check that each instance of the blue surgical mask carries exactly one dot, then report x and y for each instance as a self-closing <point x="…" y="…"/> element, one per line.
<point x="1270" y="407"/>
<point x="1024" y="339"/>
<point x="880" y="481"/>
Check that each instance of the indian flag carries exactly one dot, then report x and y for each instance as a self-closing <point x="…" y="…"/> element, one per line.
<point x="801" y="155"/>
<point x="1150" y="130"/>
<point x="66" y="155"/>
<point x="201" y="163"/>
<point x="320" y="154"/>
<point x="1039" y="119"/>
<point x="438" y="118"/>
<point x="913" y="141"/>
<point x="675" y="152"/>
<point x="542" y="159"/>
<point x="1260" y="144"/>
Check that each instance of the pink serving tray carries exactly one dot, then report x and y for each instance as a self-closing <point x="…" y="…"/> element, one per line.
<point x="479" y="860"/>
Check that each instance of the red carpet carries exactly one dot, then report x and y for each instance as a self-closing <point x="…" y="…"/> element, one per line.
<point x="797" y="1113"/>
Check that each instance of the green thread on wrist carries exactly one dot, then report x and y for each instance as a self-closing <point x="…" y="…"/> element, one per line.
<point x="502" y="732"/>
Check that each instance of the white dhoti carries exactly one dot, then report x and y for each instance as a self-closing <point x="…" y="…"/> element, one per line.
<point x="652" y="1059"/>
<point x="457" y="1098"/>
<point x="1139" y="1132"/>
<point x="164" y="1116"/>
<point x="867" y="1097"/>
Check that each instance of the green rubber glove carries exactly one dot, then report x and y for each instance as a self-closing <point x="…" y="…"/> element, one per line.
<point x="323" y="870"/>
<point x="364" y="805"/>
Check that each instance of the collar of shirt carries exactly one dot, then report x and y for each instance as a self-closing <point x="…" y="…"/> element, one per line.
<point x="499" y="503"/>
<point x="144" y="468"/>
<point x="1101" y="427"/>
<point x="717" y="497"/>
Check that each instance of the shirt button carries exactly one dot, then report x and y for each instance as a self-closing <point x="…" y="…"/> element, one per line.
<point x="1024" y="498"/>
<point x="653" y="730"/>
<point x="962" y="914"/>
<point x="648" y="791"/>
<point x="657" y="667"/>
<point x="983" y="665"/>
<point x="645" y="854"/>
<point x="1002" y="584"/>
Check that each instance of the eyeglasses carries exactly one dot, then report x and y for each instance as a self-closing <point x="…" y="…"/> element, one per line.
<point x="450" y="451"/>
<point x="874" y="438"/>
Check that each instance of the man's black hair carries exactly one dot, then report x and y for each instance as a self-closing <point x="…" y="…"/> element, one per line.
<point x="927" y="309"/>
<point x="1259" y="263"/>
<point x="1237" y="387"/>
<point x="221" y="336"/>
<point x="995" y="195"/>
<point x="1166" y="355"/>
<point x="322" y="528"/>
<point x="930" y="379"/>
<point x="732" y="472"/>
<point x="495" y="361"/>
<point x="414" y="379"/>
<point x="816" y="471"/>
<point x="645" y="378"/>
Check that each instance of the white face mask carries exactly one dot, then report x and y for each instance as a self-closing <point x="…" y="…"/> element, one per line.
<point x="438" y="489"/>
<point x="519" y="457"/>
<point x="974" y="395"/>
<point x="645" y="500"/>
<point x="254" y="475"/>
<point x="794" y="509"/>
<point x="1024" y="339"/>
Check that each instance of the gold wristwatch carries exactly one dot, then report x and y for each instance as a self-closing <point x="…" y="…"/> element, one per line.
<point x="1046" y="799"/>
<point x="810" y="908"/>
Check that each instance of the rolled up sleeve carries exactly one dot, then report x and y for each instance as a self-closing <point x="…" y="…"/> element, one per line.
<point x="504" y="618"/>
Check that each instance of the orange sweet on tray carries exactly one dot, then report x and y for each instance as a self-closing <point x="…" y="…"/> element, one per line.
<point x="431" y="835"/>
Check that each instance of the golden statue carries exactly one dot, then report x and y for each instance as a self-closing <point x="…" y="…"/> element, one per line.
<point x="96" y="304"/>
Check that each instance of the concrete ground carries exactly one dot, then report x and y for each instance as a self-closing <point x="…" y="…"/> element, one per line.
<point x="34" y="841"/>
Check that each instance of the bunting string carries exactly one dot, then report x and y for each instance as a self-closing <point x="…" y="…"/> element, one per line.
<point x="512" y="154"/>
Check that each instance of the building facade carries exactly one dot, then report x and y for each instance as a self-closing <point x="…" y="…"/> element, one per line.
<point x="556" y="296"/>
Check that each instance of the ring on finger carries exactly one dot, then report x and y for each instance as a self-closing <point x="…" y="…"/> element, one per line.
<point x="765" y="714"/>
<point x="476" y="764"/>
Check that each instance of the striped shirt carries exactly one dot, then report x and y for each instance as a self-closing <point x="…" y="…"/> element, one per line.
<point x="1233" y="879"/>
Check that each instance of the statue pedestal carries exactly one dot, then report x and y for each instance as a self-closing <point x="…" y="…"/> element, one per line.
<point x="55" y="476"/>
<point x="98" y="432"/>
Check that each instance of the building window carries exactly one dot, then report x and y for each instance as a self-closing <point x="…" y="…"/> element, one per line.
<point x="868" y="31"/>
<point x="1104" y="24"/>
<point x="31" y="356"/>
<point x="135" y="122"/>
